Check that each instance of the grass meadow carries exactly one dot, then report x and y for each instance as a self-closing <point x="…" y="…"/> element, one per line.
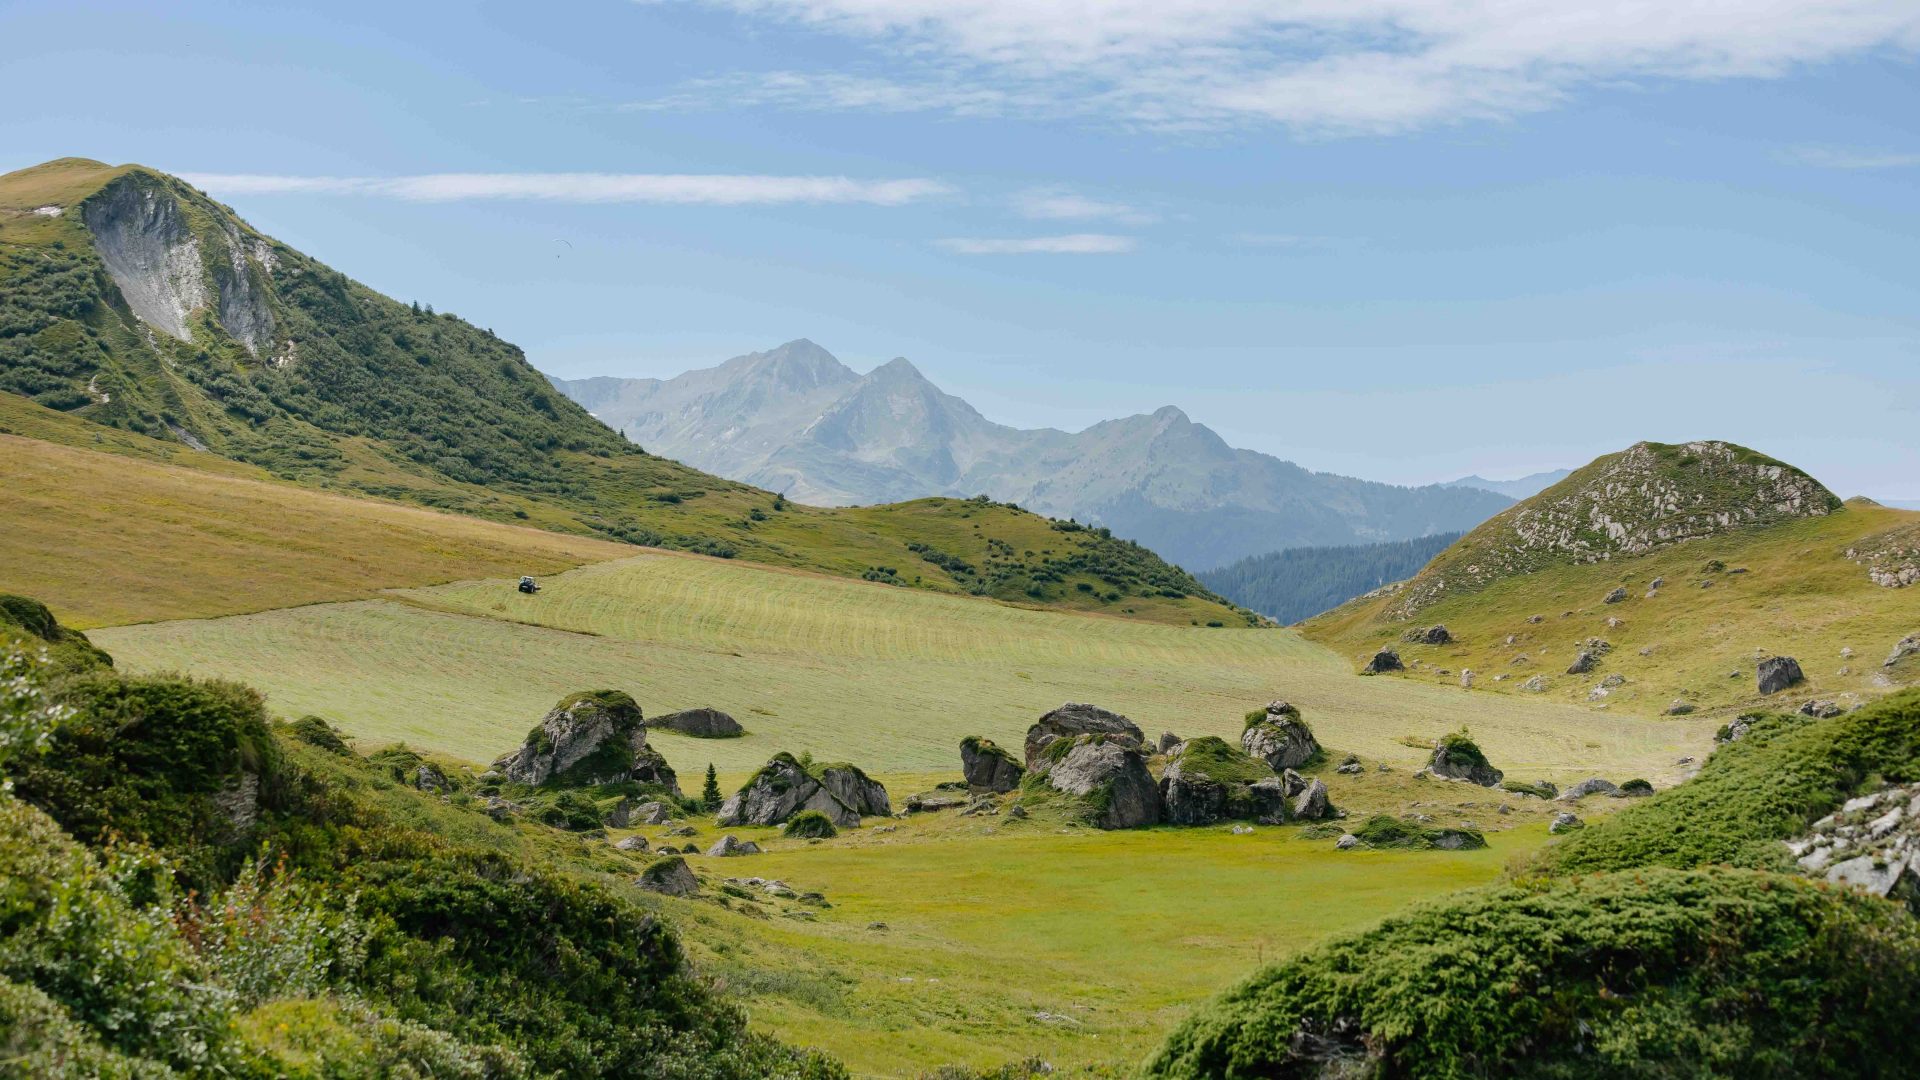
<point x="888" y="678"/>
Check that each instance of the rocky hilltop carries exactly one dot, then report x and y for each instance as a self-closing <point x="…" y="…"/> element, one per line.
<point x="1649" y="496"/>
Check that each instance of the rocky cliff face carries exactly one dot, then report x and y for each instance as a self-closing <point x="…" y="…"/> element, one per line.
<point x="169" y="273"/>
<point x="1648" y="496"/>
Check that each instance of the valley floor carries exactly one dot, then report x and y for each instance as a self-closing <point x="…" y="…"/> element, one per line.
<point x="1000" y="938"/>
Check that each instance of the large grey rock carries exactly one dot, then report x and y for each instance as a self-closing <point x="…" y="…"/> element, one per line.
<point x="781" y="789"/>
<point x="1564" y="821"/>
<point x="866" y="796"/>
<point x="987" y="767"/>
<point x="1428" y="635"/>
<point x="670" y="875"/>
<point x="701" y="723"/>
<point x="651" y="813"/>
<point x="1776" y="673"/>
<point x="1383" y="661"/>
<point x="1583" y="662"/>
<point x="1282" y="740"/>
<point x="631" y="843"/>
<point x="1312" y="804"/>
<point x="730" y="845"/>
<point x="596" y="737"/>
<point x="1270" y="800"/>
<point x="1211" y="781"/>
<point x="1112" y="776"/>
<point x="1593" y="786"/>
<point x="1536" y="684"/>
<point x="1074" y="719"/>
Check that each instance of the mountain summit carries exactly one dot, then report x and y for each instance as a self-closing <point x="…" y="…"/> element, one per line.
<point x="835" y="437"/>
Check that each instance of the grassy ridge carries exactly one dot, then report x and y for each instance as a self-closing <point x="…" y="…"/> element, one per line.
<point x="889" y="678"/>
<point x="1800" y="595"/>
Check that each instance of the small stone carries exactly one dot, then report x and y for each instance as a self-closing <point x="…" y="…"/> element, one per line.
<point x="1347" y="842"/>
<point x="1618" y="594"/>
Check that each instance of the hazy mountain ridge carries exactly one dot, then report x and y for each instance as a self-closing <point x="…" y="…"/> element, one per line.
<point x="1520" y="487"/>
<point x="796" y="420"/>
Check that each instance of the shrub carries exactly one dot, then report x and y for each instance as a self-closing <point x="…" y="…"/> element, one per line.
<point x="1662" y="972"/>
<point x="810" y="825"/>
<point x="1753" y="793"/>
<point x="314" y="731"/>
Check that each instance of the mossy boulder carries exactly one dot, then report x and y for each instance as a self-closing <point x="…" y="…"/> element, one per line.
<point x="989" y="767"/>
<point x="1279" y="737"/>
<point x="1458" y="757"/>
<point x="1209" y="780"/>
<point x="784" y="787"/>
<point x="670" y="875"/>
<point x="589" y="738"/>
<point x="1387" y="831"/>
<point x="1075" y="719"/>
<point x="315" y="731"/>
<point x="1106" y="775"/>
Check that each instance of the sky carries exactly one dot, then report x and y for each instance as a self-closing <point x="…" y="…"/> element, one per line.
<point x="1399" y="239"/>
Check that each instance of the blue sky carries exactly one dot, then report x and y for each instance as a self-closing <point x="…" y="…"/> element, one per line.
<point x="1402" y="239"/>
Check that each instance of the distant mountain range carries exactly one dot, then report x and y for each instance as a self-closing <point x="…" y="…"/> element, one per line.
<point x="798" y="421"/>
<point x="1525" y="487"/>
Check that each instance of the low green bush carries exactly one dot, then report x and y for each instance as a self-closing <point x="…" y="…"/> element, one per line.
<point x="810" y="825"/>
<point x="1750" y="794"/>
<point x="1660" y="972"/>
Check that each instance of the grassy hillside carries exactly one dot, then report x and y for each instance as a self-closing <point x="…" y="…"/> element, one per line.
<point x="1799" y="594"/>
<point x="259" y="354"/>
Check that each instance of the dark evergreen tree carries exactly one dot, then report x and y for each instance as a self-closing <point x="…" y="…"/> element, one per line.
<point x="710" y="794"/>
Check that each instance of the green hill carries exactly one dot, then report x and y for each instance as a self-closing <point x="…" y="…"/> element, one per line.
<point x="133" y="302"/>
<point x="1676" y="568"/>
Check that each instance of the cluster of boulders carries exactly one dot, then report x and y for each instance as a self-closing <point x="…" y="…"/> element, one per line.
<point x="593" y="737"/>
<point x="1100" y="757"/>
<point x="1871" y="843"/>
<point x="784" y="786"/>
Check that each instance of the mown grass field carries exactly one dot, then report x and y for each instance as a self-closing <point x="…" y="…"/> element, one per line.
<point x="1799" y="595"/>
<point x="889" y="678"/>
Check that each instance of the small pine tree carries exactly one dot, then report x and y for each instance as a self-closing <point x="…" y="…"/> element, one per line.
<point x="710" y="794"/>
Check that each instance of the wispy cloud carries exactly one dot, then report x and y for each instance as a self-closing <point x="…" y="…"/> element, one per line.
<point x="1070" y="244"/>
<point x="1317" y="66"/>
<point x="1828" y="157"/>
<point x="680" y="189"/>
<point x="1060" y="204"/>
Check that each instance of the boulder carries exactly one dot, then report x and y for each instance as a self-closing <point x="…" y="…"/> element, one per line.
<point x="1279" y="737"/>
<point x="1168" y="742"/>
<point x="1565" y="821"/>
<point x="1457" y="757"/>
<point x="781" y="789"/>
<point x="1111" y="775"/>
<point x="1618" y="594"/>
<point x="1428" y="635"/>
<point x="1383" y="661"/>
<point x="1210" y="781"/>
<point x="701" y="723"/>
<point x="1680" y="707"/>
<point x="1583" y="662"/>
<point x="631" y="843"/>
<point x="428" y="777"/>
<point x="1466" y="678"/>
<point x="595" y="737"/>
<point x="1268" y="800"/>
<point x="1536" y="684"/>
<point x="1822" y="710"/>
<point x="731" y="845"/>
<point x="1593" y="786"/>
<point x="619" y="814"/>
<point x="1908" y="646"/>
<point x="1347" y="842"/>
<point x="1776" y="673"/>
<point x="670" y="875"/>
<point x="987" y="767"/>
<point x="1311" y="804"/>
<point x="866" y="796"/>
<point x="1074" y="719"/>
<point x="651" y="813"/>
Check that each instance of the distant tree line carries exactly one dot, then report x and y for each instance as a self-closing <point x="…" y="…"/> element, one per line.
<point x="1299" y="583"/>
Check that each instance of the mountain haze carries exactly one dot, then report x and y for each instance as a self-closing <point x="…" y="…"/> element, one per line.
<point x="796" y="420"/>
<point x="1520" y="487"/>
